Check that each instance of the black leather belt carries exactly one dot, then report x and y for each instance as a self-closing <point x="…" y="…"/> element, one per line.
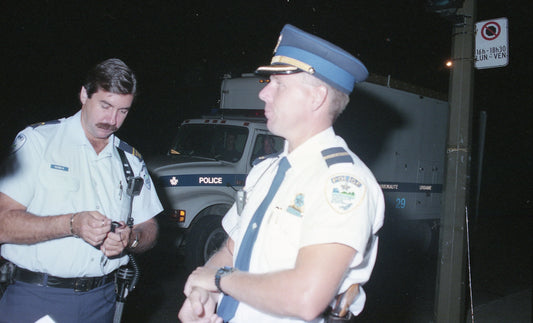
<point x="80" y="284"/>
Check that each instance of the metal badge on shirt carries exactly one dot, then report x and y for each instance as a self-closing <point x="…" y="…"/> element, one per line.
<point x="240" y="200"/>
<point x="297" y="207"/>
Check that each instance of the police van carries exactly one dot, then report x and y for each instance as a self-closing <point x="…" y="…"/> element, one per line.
<point x="207" y="164"/>
<point x="399" y="134"/>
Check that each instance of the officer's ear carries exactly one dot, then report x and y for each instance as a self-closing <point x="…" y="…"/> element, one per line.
<point x="319" y="95"/>
<point x="83" y="95"/>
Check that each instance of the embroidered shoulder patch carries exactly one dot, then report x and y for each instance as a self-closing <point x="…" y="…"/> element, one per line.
<point x="344" y="193"/>
<point x="19" y="141"/>
<point x="144" y="174"/>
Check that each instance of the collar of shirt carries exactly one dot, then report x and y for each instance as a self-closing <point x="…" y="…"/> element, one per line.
<point x="78" y="138"/>
<point x="310" y="149"/>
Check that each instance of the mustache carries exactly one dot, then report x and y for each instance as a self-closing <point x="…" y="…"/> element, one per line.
<point x="106" y="126"/>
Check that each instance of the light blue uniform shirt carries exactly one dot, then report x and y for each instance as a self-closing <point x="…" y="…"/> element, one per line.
<point x="55" y="170"/>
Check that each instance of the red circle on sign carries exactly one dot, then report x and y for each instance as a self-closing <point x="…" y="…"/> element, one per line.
<point x="491" y="30"/>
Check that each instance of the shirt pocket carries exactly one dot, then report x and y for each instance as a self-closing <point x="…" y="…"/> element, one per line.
<point x="282" y="238"/>
<point x="58" y="178"/>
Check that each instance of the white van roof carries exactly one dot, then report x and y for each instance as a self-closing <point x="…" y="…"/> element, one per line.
<point x="242" y="92"/>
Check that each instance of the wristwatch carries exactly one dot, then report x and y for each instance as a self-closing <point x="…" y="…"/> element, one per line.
<point x="135" y="242"/>
<point x="221" y="272"/>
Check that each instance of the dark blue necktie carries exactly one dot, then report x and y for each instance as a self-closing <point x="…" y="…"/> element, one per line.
<point x="228" y="305"/>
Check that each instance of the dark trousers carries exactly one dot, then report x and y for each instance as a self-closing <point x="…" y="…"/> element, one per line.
<point x="23" y="302"/>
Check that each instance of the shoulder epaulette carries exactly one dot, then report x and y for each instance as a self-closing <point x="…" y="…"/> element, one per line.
<point x="262" y="158"/>
<point x="129" y="149"/>
<point x="38" y="124"/>
<point x="336" y="155"/>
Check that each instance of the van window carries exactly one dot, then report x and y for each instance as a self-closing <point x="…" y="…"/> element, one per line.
<point x="266" y="145"/>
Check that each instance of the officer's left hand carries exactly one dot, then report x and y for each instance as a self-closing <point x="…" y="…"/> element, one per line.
<point x="199" y="307"/>
<point x="115" y="242"/>
<point x="203" y="277"/>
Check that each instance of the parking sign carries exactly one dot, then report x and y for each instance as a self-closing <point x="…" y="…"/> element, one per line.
<point x="492" y="45"/>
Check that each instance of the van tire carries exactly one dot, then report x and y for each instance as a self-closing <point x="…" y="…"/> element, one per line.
<point x="203" y="240"/>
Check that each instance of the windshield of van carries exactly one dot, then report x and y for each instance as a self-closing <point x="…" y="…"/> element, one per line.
<point x="210" y="141"/>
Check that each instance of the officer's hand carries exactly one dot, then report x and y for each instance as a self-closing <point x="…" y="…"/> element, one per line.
<point x="202" y="277"/>
<point x="91" y="226"/>
<point x="115" y="242"/>
<point x="199" y="306"/>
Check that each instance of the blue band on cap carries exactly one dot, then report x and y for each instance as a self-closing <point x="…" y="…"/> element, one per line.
<point x="322" y="67"/>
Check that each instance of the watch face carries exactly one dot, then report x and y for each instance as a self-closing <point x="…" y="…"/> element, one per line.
<point x="221" y="272"/>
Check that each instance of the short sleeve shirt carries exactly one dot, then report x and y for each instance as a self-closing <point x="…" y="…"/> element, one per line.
<point x="54" y="170"/>
<point x="328" y="196"/>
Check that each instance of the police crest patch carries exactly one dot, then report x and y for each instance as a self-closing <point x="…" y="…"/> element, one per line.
<point x="344" y="193"/>
<point x="146" y="177"/>
<point x="18" y="142"/>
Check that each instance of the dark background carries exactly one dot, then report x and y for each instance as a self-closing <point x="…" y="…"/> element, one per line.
<point x="181" y="49"/>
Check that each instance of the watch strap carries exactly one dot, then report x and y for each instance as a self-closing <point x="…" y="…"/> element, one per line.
<point x="221" y="272"/>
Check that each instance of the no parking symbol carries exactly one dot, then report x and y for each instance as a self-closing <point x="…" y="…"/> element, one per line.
<point x="491" y="30"/>
<point x="492" y="47"/>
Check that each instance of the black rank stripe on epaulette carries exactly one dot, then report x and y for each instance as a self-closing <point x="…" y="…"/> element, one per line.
<point x="129" y="149"/>
<point x="336" y="155"/>
<point x="37" y="124"/>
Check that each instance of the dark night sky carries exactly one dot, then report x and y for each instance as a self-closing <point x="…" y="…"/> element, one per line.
<point x="181" y="49"/>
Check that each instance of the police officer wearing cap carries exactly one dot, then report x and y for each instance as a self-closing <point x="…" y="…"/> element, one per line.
<point x="308" y="227"/>
<point x="62" y="186"/>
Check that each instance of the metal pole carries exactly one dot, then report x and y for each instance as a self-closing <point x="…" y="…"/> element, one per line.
<point x="481" y="151"/>
<point x="450" y="294"/>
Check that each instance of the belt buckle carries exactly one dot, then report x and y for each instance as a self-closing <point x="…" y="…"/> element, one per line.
<point x="82" y="285"/>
